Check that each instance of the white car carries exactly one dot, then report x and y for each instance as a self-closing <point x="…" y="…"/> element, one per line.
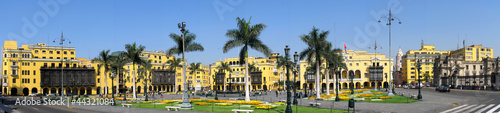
<point x="32" y="94"/>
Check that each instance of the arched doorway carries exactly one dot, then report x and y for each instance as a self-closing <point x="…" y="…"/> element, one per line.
<point x="386" y="84"/>
<point x="138" y="89"/>
<point x="34" y="90"/>
<point x="154" y="88"/>
<point x="344" y="85"/>
<point x="74" y="91"/>
<point x="372" y="85"/>
<point x="265" y="87"/>
<point x="13" y="91"/>
<point x="82" y="91"/>
<point x="98" y="90"/>
<point x="366" y="85"/>
<point x="311" y="86"/>
<point x="26" y="91"/>
<point x="151" y="88"/>
<point x="331" y="86"/>
<point x="323" y="86"/>
<point x="45" y="91"/>
<point x="358" y="85"/>
<point x="53" y="91"/>
<point x="89" y="90"/>
<point x="351" y="85"/>
<point x="379" y="85"/>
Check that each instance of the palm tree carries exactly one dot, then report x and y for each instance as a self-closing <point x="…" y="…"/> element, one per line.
<point x="194" y="67"/>
<point x="173" y="64"/>
<point x="133" y="54"/>
<point x="225" y="67"/>
<point x="335" y="63"/>
<point x="117" y="63"/>
<point x="104" y="59"/>
<point x="189" y="46"/>
<point x="316" y="50"/>
<point x="143" y="74"/>
<point x="246" y="36"/>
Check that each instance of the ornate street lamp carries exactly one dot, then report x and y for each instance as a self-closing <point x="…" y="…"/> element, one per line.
<point x="351" y="75"/>
<point x="185" y="100"/>
<point x="389" y="20"/>
<point x="419" y="67"/>
<point x="295" y="59"/>
<point x="62" y="62"/>
<point x="215" y="84"/>
<point x="288" y="94"/>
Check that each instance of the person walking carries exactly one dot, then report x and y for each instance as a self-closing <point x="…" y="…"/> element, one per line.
<point x="276" y="93"/>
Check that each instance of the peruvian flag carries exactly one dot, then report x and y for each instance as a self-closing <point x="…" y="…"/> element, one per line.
<point x="345" y="48"/>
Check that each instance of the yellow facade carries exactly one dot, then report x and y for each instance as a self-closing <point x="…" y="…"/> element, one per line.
<point x="21" y="65"/>
<point x="474" y="53"/>
<point x="427" y="54"/>
<point x="270" y="74"/>
<point x="357" y="62"/>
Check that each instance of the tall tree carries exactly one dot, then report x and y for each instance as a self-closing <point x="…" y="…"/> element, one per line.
<point x="117" y="63"/>
<point x="189" y="46"/>
<point x="281" y="63"/>
<point x="133" y="53"/>
<point x="194" y="67"/>
<point x="173" y="65"/>
<point x="104" y="59"/>
<point x="315" y="51"/>
<point x="143" y="74"/>
<point x="246" y="36"/>
<point x="335" y="63"/>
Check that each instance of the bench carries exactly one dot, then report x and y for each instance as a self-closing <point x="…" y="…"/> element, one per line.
<point x="242" y="110"/>
<point x="172" y="107"/>
<point x="246" y="106"/>
<point x="376" y="99"/>
<point x="314" y="104"/>
<point x="284" y="101"/>
<point x="128" y="105"/>
<point x="359" y="99"/>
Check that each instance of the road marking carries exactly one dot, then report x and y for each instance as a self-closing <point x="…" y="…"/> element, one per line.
<point x="493" y="109"/>
<point x="35" y="109"/>
<point x="485" y="108"/>
<point x="488" y="101"/>
<point x="465" y="108"/>
<point x="472" y="109"/>
<point x="454" y="108"/>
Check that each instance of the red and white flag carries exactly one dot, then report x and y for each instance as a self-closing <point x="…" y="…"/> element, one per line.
<point x="345" y="48"/>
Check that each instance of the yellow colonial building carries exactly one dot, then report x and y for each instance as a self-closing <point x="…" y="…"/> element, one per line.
<point x="266" y="76"/>
<point x="427" y="54"/>
<point x="369" y="69"/>
<point x="473" y="53"/>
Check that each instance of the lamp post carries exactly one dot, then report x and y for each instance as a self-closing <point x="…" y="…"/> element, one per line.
<point x="146" y="87"/>
<point x="295" y="59"/>
<point x="215" y="84"/>
<point x="112" y="84"/>
<point x="351" y="75"/>
<point x="288" y="94"/>
<point x="337" y="87"/>
<point x="419" y="67"/>
<point x="185" y="100"/>
<point x="62" y="62"/>
<point x="389" y="20"/>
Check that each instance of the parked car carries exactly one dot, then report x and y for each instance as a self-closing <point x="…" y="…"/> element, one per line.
<point x="51" y="95"/>
<point x="32" y="94"/>
<point x="405" y="86"/>
<point x="443" y="89"/>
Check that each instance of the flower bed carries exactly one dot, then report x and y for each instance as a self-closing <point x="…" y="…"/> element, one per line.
<point x="166" y="101"/>
<point x="365" y="95"/>
<point x="147" y="102"/>
<point x="203" y="103"/>
<point x="196" y="100"/>
<point x="384" y="97"/>
<point x="131" y="102"/>
<point x="224" y="104"/>
<point x="253" y="102"/>
<point x="279" y="103"/>
<point x="377" y="93"/>
<point x="263" y="106"/>
<point x="219" y="101"/>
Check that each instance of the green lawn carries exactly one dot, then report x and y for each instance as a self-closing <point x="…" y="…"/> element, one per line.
<point x="393" y="99"/>
<point x="227" y="109"/>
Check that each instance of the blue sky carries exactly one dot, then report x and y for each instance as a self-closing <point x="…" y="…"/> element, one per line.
<point x="93" y="25"/>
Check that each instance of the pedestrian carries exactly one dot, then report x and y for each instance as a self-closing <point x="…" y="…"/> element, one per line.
<point x="276" y="93"/>
<point x="260" y="93"/>
<point x="484" y="87"/>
